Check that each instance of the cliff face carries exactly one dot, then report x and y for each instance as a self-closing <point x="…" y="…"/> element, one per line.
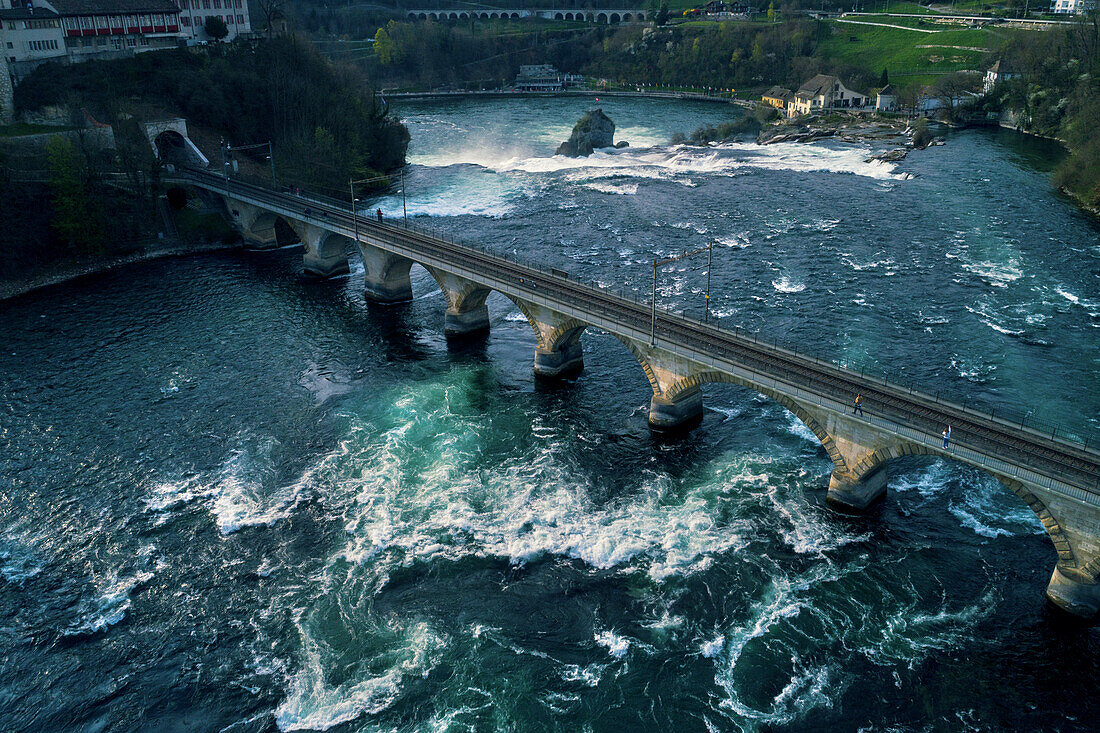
<point x="593" y="130"/>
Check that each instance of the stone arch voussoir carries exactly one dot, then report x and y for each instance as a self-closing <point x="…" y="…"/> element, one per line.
<point x="461" y="294"/>
<point x="698" y="379"/>
<point x="1067" y="558"/>
<point x="531" y="320"/>
<point x="643" y="360"/>
<point x="565" y="333"/>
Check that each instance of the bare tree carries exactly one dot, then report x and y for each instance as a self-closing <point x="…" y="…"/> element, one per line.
<point x="271" y="10"/>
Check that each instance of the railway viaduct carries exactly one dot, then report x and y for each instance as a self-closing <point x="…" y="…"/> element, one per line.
<point x="1057" y="477"/>
<point x="604" y="17"/>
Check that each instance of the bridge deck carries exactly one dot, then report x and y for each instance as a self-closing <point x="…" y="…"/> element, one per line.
<point x="1009" y="448"/>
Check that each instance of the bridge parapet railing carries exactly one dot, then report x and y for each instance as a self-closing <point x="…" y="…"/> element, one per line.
<point x="1001" y="417"/>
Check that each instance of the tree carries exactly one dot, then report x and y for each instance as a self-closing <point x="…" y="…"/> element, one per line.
<point x="215" y="27"/>
<point x="383" y="46"/>
<point x="662" y="15"/>
<point x="74" y="220"/>
<point x="883" y="80"/>
<point x="771" y="12"/>
<point x="271" y="10"/>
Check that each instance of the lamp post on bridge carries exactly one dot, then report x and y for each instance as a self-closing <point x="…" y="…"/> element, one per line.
<point x="653" y="300"/>
<point x="270" y="157"/>
<point x="354" y="201"/>
<point x="225" y="163"/>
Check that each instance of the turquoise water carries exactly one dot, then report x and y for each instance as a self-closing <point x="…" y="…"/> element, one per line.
<point x="237" y="499"/>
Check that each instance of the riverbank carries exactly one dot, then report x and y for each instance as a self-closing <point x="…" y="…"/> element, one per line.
<point x="693" y="96"/>
<point x="161" y="249"/>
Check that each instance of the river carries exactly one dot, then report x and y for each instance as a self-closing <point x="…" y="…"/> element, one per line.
<point x="236" y="499"/>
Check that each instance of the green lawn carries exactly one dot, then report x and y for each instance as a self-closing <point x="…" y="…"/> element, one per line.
<point x="898" y="50"/>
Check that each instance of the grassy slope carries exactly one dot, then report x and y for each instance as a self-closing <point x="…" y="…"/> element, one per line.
<point x="898" y="50"/>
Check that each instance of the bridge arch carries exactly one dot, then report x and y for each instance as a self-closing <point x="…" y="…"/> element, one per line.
<point x="627" y="17"/>
<point x="559" y="16"/>
<point x="514" y="16"/>
<point x="453" y="16"/>
<point x="1067" y="557"/>
<point x="614" y="18"/>
<point x="565" y="334"/>
<point x="494" y="15"/>
<point x="601" y="18"/>
<point x="483" y="16"/>
<point x="698" y="379"/>
<point x="569" y="16"/>
<point x="862" y="467"/>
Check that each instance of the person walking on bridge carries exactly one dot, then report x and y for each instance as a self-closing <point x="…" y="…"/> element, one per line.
<point x="858" y="407"/>
<point x="946" y="436"/>
<point x="379" y="215"/>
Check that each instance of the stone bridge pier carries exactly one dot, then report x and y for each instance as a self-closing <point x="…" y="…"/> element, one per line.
<point x="325" y="252"/>
<point x="861" y="452"/>
<point x="256" y="225"/>
<point x="386" y="275"/>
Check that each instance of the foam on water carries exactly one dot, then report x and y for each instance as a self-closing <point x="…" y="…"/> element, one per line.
<point x="243" y="492"/>
<point x="417" y="497"/>
<point x="997" y="274"/>
<point x="785" y="284"/>
<point x="726" y="159"/>
<point x="617" y="645"/>
<point x="109" y="603"/>
<point x="625" y="189"/>
<point x="782" y="600"/>
<point x="908" y="637"/>
<point x="399" y="650"/>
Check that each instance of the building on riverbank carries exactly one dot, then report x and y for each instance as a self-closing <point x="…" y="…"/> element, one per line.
<point x="1075" y="7"/>
<point x="777" y="97"/>
<point x="887" y="99"/>
<point x="824" y="92"/>
<point x="70" y="31"/>
<point x="545" y="78"/>
<point x="997" y="73"/>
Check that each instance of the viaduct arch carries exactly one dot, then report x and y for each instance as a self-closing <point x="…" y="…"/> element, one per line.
<point x="860" y="447"/>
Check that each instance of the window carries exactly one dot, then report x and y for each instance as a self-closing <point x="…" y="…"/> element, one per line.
<point x="218" y="4"/>
<point x="9" y="44"/>
<point x="205" y="4"/>
<point x="229" y="20"/>
<point x="130" y="41"/>
<point x="187" y="20"/>
<point x="144" y="41"/>
<point x="240" y="19"/>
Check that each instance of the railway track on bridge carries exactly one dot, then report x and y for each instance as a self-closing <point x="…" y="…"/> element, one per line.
<point x="1013" y="444"/>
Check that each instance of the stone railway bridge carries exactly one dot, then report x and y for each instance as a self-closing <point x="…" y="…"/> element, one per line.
<point x="605" y="17"/>
<point x="1058" y="479"/>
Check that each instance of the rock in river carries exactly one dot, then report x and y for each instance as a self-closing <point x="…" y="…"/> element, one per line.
<point x="593" y="130"/>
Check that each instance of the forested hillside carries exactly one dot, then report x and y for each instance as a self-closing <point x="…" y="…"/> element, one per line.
<point x="324" y="120"/>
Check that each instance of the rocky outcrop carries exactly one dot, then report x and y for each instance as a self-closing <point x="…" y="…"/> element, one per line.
<point x="890" y="156"/>
<point x="593" y="130"/>
<point x="794" y="134"/>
